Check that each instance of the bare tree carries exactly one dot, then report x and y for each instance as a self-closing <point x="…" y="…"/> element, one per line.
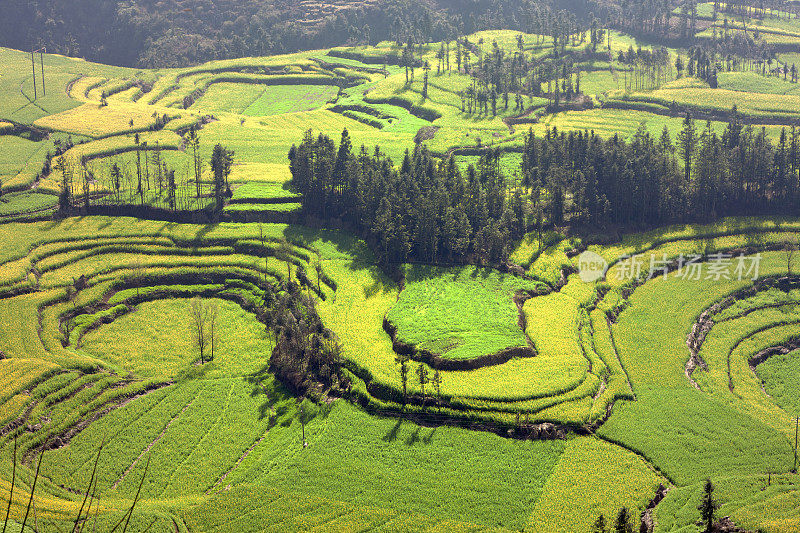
<point x="264" y="251"/>
<point x="136" y="275"/>
<point x="199" y="312"/>
<point x="212" y="319"/>
<point x="437" y="385"/>
<point x="13" y="481"/>
<point x="284" y="253"/>
<point x="789" y="250"/>
<point x="422" y="374"/>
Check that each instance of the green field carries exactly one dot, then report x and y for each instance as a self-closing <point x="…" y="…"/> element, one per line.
<point x="779" y="374"/>
<point x="257" y="100"/>
<point x="459" y="314"/>
<point x="226" y="424"/>
<point x="559" y="399"/>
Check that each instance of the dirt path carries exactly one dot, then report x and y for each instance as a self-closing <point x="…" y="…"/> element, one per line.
<point x="238" y="462"/>
<point x="153" y="443"/>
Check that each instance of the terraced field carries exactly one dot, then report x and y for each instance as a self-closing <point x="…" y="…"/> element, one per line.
<point x="114" y="352"/>
<point x="79" y="374"/>
<point x="259" y="107"/>
<point x="558" y="400"/>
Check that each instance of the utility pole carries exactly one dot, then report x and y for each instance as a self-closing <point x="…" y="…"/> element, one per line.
<point x="41" y="61"/>
<point x="303" y="423"/>
<point x="41" y="52"/>
<point x="33" y="66"/>
<point x="796" y="434"/>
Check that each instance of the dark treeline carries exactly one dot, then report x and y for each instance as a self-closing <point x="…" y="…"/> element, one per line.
<point x="426" y="210"/>
<point x="680" y="20"/>
<point x="146" y="33"/>
<point x="698" y="176"/>
<point x="306" y="355"/>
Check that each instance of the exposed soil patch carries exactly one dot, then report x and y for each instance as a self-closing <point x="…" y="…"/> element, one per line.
<point x="20" y="420"/>
<point x="65" y="436"/>
<point x="647" y="522"/>
<point x="425" y="133"/>
<point x="705" y="322"/>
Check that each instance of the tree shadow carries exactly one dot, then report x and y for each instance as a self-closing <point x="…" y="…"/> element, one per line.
<point x="412" y="439"/>
<point x="427" y="439"/>
<point x="205" y="230"/>
<point x="352" y="251"/>
<point x="392" y="435"/>
<point x="256" y="379"/>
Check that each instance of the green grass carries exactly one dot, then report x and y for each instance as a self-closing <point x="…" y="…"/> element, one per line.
<point x="258" y="192"/>
<point x="608" y="122"/>
<point x="230" y="97"/>
<point x="214" y="421"/>
<point x="568" y="503"/>
<point x="779" y="374"/>
<point x="263" y="100"/>
<point x="271" y="208"/>
<point x="278" y="99"/>
<point x="405" y="467"/>
<point x="21" y="159"/>
<point x="26" y="202"/>
<point x="207" y="439"/>
<point x="460" y="313"/>
<point x="755" y="105"/>
<point x="755" y="83"/>
<point x="752" y="502"/>
<point x="156" y="340"/>
<point x="690" y="437"/>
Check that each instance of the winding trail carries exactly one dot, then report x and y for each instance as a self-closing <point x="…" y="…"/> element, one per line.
<point x="153" y="443"/>
<point x="238" y="462"/>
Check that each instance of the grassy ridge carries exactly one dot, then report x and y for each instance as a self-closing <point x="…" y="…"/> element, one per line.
<point x="460" y="313"/>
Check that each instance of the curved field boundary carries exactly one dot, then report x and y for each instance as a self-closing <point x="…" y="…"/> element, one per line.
<point x="705" y="322"/>
<point x="419" y="111"/>
<point x="702" y="113"/>
<point x="752" y="361"/>
<point x="437" y="361"/>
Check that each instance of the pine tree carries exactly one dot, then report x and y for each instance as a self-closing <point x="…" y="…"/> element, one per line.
<point x="599" y="525"/>
<point x="687" y="142"/>
<point x="623" y="522"/>
<point x="708" y="506"/>
<point x="221" y="164"/>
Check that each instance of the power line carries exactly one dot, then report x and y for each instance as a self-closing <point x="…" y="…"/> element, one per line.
<point x="41" y="51"/>
<point x="33" y="66"/>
